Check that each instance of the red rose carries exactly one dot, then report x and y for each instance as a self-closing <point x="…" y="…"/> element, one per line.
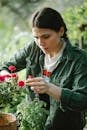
<point x="14" y="75"/>
<point x="48" y="74"/>
<point x="44" y="72"/>
<point x="12" y="68"/>
<point x="21" y="84"/>
<point x="7" y="76"/>
<point x="2" y="78"/>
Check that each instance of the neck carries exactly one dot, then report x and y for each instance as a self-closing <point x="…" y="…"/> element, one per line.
<point x="59" y="47"/>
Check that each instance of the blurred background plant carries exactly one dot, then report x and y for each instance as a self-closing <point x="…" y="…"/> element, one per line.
<point x="15" y="30"/>
<point x="76" y="21"/>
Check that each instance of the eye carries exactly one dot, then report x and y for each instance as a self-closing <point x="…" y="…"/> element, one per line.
<point x="35" y="37"/>
<point x="46" y="36"/>
<point x="43" y="36"/>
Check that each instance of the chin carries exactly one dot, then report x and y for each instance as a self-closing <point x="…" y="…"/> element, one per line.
<point x="45" y="52"/>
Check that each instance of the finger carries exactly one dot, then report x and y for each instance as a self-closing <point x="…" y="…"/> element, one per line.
<point x="32" y="88"/>
<point x="36" y="84"/>
<point x="37" y="79"/>
<point x="35" y="90"/>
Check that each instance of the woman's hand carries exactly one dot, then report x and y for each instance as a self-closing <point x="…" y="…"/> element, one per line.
<point x="4" y="72"/>
<point x="39" y="85"/>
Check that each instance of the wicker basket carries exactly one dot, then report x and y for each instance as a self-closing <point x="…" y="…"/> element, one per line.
<point x="8" y="121"/>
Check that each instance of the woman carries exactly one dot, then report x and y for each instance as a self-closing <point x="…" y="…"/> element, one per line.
<point x="58" y="70"/>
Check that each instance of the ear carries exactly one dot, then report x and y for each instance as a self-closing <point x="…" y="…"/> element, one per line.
<point x="61" y="31"/>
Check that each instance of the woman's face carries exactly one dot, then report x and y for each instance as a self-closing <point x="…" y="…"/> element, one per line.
<point x="48" y="40"/>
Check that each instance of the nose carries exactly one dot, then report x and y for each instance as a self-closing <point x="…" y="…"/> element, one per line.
<point x="41" y="42"/>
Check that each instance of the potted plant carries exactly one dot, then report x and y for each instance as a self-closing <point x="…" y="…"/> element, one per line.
<point x="9" y="98"/>
<point x="32" y="115"/>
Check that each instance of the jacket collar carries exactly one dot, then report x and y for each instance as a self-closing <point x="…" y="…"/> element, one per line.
<point x="41" y="59"/>
<point x="67" y="54"/>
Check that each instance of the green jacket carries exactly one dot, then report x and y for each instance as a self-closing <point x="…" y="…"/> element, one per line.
<point x="70" y="75"/>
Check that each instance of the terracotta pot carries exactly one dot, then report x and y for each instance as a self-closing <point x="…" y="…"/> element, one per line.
<point x="8" y="121"/>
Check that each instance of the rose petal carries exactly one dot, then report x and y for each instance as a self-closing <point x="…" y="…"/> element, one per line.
<point x="21" y="83"/>
<point x="12" y="68"/>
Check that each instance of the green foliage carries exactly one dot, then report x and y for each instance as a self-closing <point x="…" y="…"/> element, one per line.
<point x="74" y="18"/>
<point x="33" y="115"/>
<point x="9" y="96"/>
<point x="13" y="34"/>
<point x="10" y="93"/>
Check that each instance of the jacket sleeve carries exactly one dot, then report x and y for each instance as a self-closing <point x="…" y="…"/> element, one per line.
<point x="19" y="58"/>
<point x="76" y="99"/>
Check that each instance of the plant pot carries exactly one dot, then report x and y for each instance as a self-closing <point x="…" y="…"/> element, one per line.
<point x="8" y="121"/>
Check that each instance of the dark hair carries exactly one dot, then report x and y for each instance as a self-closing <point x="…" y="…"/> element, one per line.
<point x="49" y="18"/>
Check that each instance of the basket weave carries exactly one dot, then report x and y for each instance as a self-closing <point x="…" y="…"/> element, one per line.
<point x="8" y="121"/>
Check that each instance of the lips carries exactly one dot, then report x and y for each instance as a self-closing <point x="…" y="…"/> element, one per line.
<point x="45" y="48"/>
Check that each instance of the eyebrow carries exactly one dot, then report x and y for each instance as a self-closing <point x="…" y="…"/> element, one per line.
<point x="42" y="35"/>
